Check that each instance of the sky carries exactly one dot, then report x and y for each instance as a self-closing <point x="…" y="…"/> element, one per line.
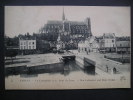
<point x="104" y="19"/>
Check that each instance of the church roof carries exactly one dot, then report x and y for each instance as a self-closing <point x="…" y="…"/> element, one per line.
<point x="76" y="23"/>
<point x="54" y="22"/>
<point x="61" y="22"/>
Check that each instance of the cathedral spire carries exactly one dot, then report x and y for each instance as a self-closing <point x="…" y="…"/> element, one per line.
<point x="63" y="16"/>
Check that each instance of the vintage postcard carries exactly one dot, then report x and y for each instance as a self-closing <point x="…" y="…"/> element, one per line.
<point x="67" y="47"/>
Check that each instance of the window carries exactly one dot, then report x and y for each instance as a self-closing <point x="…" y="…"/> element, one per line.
<point x="29" y="43"/>
<point x="33" y="47"/>
<point x="21" y="47"/>
<point x="85" y="31"/>
<point x="29" y="47"/>
<point x="128" y="44"/>
<point x="33" y="43"/>
<point x="85" y="49"/>
<point x="78" y="49"/>
<point x="112" y="40"/>
<point x="120" y="45"/>
<point x="21" y="43"/>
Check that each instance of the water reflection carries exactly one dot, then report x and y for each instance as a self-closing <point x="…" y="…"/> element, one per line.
<point x="62" y="68"/>
<point x="28" y="75"/>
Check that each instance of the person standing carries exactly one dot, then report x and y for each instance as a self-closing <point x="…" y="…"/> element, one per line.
<point x="114" y="70"/>
<point x="107" y="68"/>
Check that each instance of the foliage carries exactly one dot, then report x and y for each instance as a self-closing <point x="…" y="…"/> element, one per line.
<point x="11" y="53"/>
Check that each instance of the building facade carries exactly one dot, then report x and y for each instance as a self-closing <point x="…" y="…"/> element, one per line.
<point x="108" y="42"/>
<point x="89" y="45"/>
<point x="27" y="45"/>
<point x="123" y="46"/>
<point x="82" y="47"/>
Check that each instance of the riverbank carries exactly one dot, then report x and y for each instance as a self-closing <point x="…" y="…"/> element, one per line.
<point x="33" y="60"/>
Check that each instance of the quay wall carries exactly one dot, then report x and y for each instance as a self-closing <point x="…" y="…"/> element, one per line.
<point x="47" y="68"/>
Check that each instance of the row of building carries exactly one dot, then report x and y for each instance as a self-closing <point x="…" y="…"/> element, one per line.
<point x="65" y="35"/>
<point x="106" y="43"/>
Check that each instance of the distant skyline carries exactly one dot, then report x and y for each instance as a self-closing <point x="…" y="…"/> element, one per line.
<point x="104" y="19"/>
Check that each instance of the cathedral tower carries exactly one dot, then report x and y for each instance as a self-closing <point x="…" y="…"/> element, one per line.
<point x="88" y="23"/>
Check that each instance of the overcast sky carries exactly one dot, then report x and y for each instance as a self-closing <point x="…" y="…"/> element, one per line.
<point x="23" y="19"/>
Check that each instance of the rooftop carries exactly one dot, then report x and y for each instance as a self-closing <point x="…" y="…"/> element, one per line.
<point x="123" y="43"/>
<point x="109" y="35"/>
<point x="61" y="22"/>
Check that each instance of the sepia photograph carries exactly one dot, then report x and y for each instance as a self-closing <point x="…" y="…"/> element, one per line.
<point x="67" y="47"/>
